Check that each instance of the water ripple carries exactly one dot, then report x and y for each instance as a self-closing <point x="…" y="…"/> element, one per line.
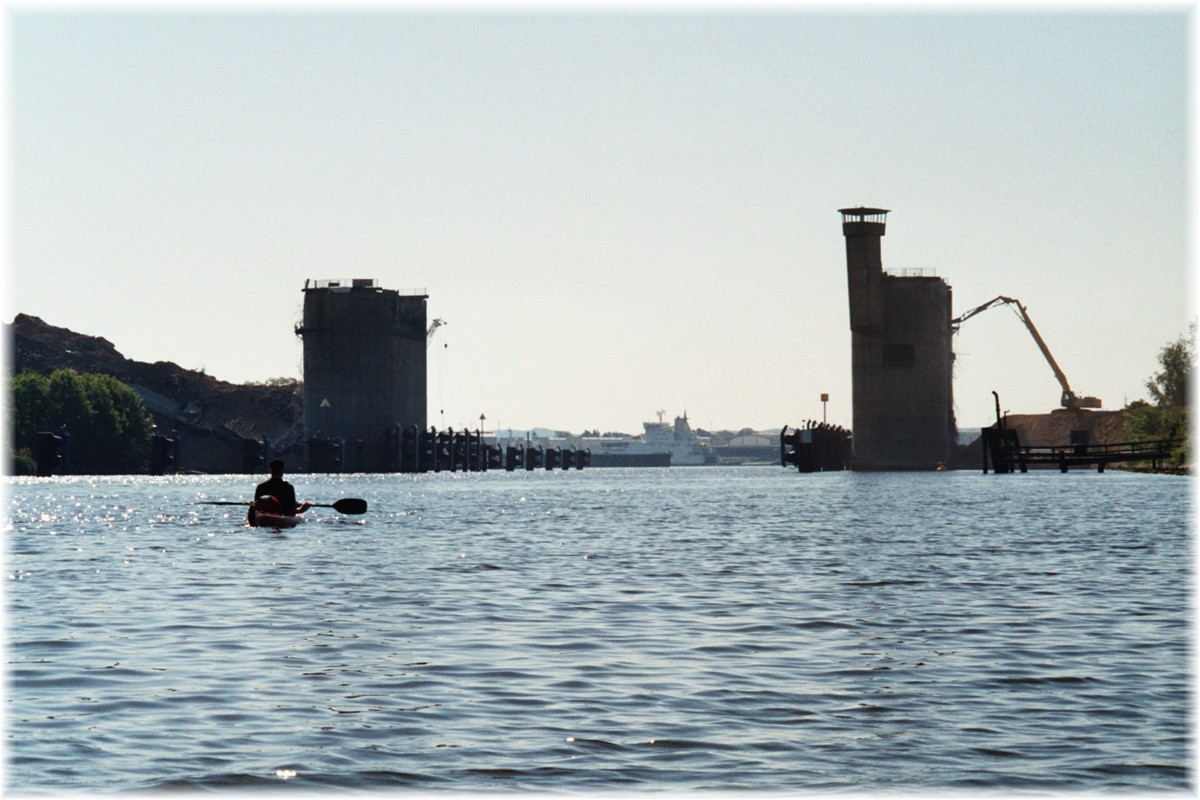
<point x="694" y="630"/>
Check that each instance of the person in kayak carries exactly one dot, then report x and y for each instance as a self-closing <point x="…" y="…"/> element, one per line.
<point x="276" y="496"/>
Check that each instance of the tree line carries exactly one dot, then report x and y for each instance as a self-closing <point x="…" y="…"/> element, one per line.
<point x="107" y="426"/>
<point x="1168" y="416"/>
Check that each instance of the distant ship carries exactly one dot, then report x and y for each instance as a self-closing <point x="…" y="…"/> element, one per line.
<point x="660" y="446"/>
<point x="624" y="451"/>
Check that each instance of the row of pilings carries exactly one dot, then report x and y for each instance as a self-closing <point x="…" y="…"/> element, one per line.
<point x="465" y="451"/>
<point x="816" y="447"/>
<point x="52" y="453"/>
<point x="413" y="450"/>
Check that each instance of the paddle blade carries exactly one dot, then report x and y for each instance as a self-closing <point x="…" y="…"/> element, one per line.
<point x="350" y="505"/>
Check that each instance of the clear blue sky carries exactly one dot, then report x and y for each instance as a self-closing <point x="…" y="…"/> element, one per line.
<point x="616" y="213"/>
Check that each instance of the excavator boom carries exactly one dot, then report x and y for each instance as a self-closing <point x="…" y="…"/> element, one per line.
<point x="1069" y="398"/>
<point x="433" y="326"/>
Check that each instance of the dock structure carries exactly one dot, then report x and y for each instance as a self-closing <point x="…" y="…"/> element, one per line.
<point x="815" y="447"/>
<point x="364" y="371"/>
<point x="1003" y="451"/>
<point x="417" y="450"/>
<point x="901" y="355"/>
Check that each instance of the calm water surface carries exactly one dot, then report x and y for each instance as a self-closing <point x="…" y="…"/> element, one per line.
<point x="682" y="629"/>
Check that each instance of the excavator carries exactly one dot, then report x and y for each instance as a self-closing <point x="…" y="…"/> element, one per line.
<point x="433" y="326"/>
<point x="1069" y="398"/>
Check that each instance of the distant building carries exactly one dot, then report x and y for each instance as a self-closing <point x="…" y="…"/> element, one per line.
<point x="364" y="372"/>
<point x="756" y="440"/>
<point x="901" y="356"/>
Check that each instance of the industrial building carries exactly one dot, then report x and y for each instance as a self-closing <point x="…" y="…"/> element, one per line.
<point x="364" y="373"/>
<point x="901" y="355"/>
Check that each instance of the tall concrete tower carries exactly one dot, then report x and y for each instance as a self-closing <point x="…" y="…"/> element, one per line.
<point x="901" y="356"/>
<point x="364" y="368"/>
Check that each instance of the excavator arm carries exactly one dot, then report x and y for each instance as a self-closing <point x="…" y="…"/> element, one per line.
<point x="433" y="326"/>
<point x="1069" y="398"/>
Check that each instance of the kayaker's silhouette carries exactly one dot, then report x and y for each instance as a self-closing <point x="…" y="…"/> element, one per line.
<point x="276" y="496"/>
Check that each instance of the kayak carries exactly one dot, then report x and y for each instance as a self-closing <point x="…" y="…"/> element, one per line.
<point x="265" y="512"/>
<point x="267" y="519"/>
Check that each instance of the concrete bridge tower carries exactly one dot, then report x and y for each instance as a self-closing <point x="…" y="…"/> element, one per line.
<point x="901" y="356"/>
<point x="364" y="370"/>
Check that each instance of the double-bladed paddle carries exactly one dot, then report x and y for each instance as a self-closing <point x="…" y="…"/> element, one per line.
<point x="347" y="505"/>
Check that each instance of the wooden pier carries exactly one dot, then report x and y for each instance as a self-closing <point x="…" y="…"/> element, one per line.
<point x="1002" y="448"/>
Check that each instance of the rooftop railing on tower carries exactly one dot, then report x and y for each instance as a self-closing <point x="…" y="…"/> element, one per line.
<point x="341" y="283"/>
<point x="912" y="272"/>
<point x="862" y="214"/>
<point x="349" y="284"/>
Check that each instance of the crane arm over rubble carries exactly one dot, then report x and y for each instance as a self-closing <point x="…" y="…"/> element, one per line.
<point x="1069" y="398"/>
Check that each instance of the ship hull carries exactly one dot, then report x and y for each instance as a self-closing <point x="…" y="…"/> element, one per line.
<point x="630" y="460"/>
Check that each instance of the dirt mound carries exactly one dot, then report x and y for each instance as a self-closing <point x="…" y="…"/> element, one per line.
<point x="1103" y="427"/>
<point x="177" y="397"/>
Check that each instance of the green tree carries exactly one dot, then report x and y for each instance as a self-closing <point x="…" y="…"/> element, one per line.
<point x="1169" y="387"/>
<point x="136" y="428"/>
<point x="29" y="407"/>
<point x="1168" y="417"/>
<point x="23" y="464"/>
<point x="119" y="439"/>
<point x="109" y="426"/>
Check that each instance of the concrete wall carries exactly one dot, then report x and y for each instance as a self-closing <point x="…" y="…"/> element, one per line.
<point x="213" y="452"/>
<point x="364" y="368"/>
<point x="901" y="358"/>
